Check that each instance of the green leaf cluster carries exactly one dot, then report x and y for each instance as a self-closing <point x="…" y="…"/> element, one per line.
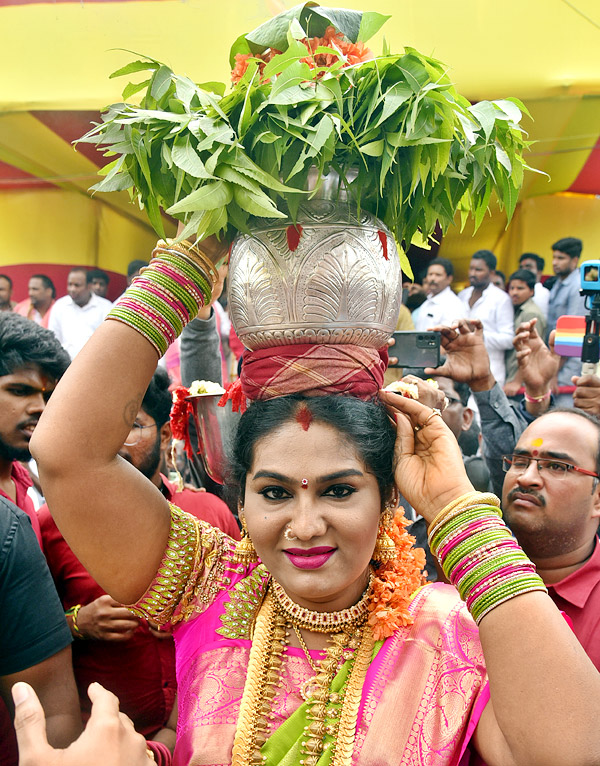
<point x="406" y="145"/>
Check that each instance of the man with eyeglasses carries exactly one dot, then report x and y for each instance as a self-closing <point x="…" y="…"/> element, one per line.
<point x="551" y="501"/>
<point x="123" y="653"/>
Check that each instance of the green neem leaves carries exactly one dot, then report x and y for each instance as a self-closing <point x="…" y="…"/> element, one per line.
<point x="354" y="25"/>
<point x="406" y="145"/>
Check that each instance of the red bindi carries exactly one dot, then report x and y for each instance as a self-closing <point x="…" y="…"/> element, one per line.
<point x="304" y="417"/>
<point x="304" y="483"/>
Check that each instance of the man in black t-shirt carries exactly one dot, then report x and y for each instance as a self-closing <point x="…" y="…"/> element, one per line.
<point x="35" y="641"/>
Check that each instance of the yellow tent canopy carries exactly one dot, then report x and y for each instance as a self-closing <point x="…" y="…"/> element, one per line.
<point x="56" y="57"/>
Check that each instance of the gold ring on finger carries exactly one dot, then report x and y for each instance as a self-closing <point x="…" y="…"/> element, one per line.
<point x="435" y="411"/>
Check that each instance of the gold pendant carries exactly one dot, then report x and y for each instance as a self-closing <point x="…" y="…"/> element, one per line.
<point x="307" y="688"/>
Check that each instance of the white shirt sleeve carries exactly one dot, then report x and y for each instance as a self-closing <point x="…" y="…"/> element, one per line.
<point x="499" y="332"/>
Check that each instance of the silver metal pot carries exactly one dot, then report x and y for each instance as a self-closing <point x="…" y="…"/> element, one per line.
<point x="338" y="282"/>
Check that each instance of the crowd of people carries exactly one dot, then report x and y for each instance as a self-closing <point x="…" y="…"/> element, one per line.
<point x="503" y="304"/>
<point x="102" y="454"/>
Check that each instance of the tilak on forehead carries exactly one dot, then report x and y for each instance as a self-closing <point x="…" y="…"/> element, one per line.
<point x="304" y="416"/>
<point x="536" y="443"/>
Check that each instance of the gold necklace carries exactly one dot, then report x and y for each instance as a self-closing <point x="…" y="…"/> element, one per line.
<point x="262" y="681"/>
<point x="304" y="647"/>
<point x="330" y="714"/>
<point x="322" y="622"/>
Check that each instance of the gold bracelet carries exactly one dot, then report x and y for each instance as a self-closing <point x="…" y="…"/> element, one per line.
<point x="471" y="498"/>
<point x="192" y="253"/>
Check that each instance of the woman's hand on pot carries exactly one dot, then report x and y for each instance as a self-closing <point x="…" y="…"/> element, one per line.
<point x="429" y="467"/>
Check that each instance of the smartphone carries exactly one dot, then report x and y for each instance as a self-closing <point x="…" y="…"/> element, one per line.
<point x="415" y="349"/>
<point x="570" y="331"/>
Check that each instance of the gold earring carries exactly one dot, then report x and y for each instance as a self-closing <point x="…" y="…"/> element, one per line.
<point x="385" y="548"/>
<point x="244" y="552"/>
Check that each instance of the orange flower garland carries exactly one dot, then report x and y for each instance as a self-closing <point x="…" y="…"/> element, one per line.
<point x="353" y="53"/>
<point x="395" y="582"/>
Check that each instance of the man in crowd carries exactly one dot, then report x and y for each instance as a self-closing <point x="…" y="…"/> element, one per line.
<point x="492" y="306"/>
<point x="34" y="640"/>
<point x="6" y="285"/>
<point x="442" y="305"/>
<point x="551" y="490"/>
<point x="565" y="298"/>
<point x="499" y="279"/>
<point x="34" y="645"/>
<point x="521" y="286"/>
<point x="42" y="295"/>
<point x="31" y="363"/>
<point x="126" y="655"/>
<point x="75" y="317"/>
<point x="535" y="264"/>
<point x="99" y="282"/>
<point x="551" y="501"/>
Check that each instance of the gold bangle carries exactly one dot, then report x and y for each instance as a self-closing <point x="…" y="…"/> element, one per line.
<point x="192" y="253"/>
<point x="470" y="498"/>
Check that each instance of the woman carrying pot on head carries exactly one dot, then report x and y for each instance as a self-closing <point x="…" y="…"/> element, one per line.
<point x="328" y="650"/>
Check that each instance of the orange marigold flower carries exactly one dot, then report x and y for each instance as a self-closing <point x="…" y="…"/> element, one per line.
<point x="395" y="582"/>
<point x="352" y="53"/>
<point x="241" y="63"/>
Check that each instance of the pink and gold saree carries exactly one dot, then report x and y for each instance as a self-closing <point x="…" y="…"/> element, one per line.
<point x="423" y="695"/>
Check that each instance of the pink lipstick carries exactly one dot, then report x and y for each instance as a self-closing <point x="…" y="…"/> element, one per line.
<point x="309" y="558"/>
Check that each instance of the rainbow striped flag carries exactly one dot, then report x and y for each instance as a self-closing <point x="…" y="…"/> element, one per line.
<point x="568" y="340"/>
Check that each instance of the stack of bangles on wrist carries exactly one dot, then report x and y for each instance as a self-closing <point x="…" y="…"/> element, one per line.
<point x="479" y="555"/>
<point x="72" y="613"/>
<point x="167" y="294"/>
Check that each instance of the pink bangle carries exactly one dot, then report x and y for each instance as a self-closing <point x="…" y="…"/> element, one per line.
<point x="537" y="399"/>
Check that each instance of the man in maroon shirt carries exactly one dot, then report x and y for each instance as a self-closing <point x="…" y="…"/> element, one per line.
<point x="551" y="500"/>
<point x="123" y="653"/>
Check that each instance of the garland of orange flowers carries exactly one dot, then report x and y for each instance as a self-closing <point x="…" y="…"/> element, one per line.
<point x="395" y="582"/>
<point x="353" y="53"/>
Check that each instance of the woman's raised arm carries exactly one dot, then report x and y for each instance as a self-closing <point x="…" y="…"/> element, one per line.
<point x="114" y="519"/>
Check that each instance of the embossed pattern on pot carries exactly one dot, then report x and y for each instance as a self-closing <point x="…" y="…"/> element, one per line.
<point x="335" y="287"/>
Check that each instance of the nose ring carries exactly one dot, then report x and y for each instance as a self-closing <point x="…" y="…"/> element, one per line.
<point x="288" y="534"/>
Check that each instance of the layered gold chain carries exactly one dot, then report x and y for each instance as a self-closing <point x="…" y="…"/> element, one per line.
<point x="332" y="715"/>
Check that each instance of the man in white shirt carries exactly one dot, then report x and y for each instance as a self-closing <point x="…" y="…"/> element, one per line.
<point x="75" y="317"/>
<point x="442" y="305"/>
<point x="535" y="264"/>
<point x="486" y="302"/>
